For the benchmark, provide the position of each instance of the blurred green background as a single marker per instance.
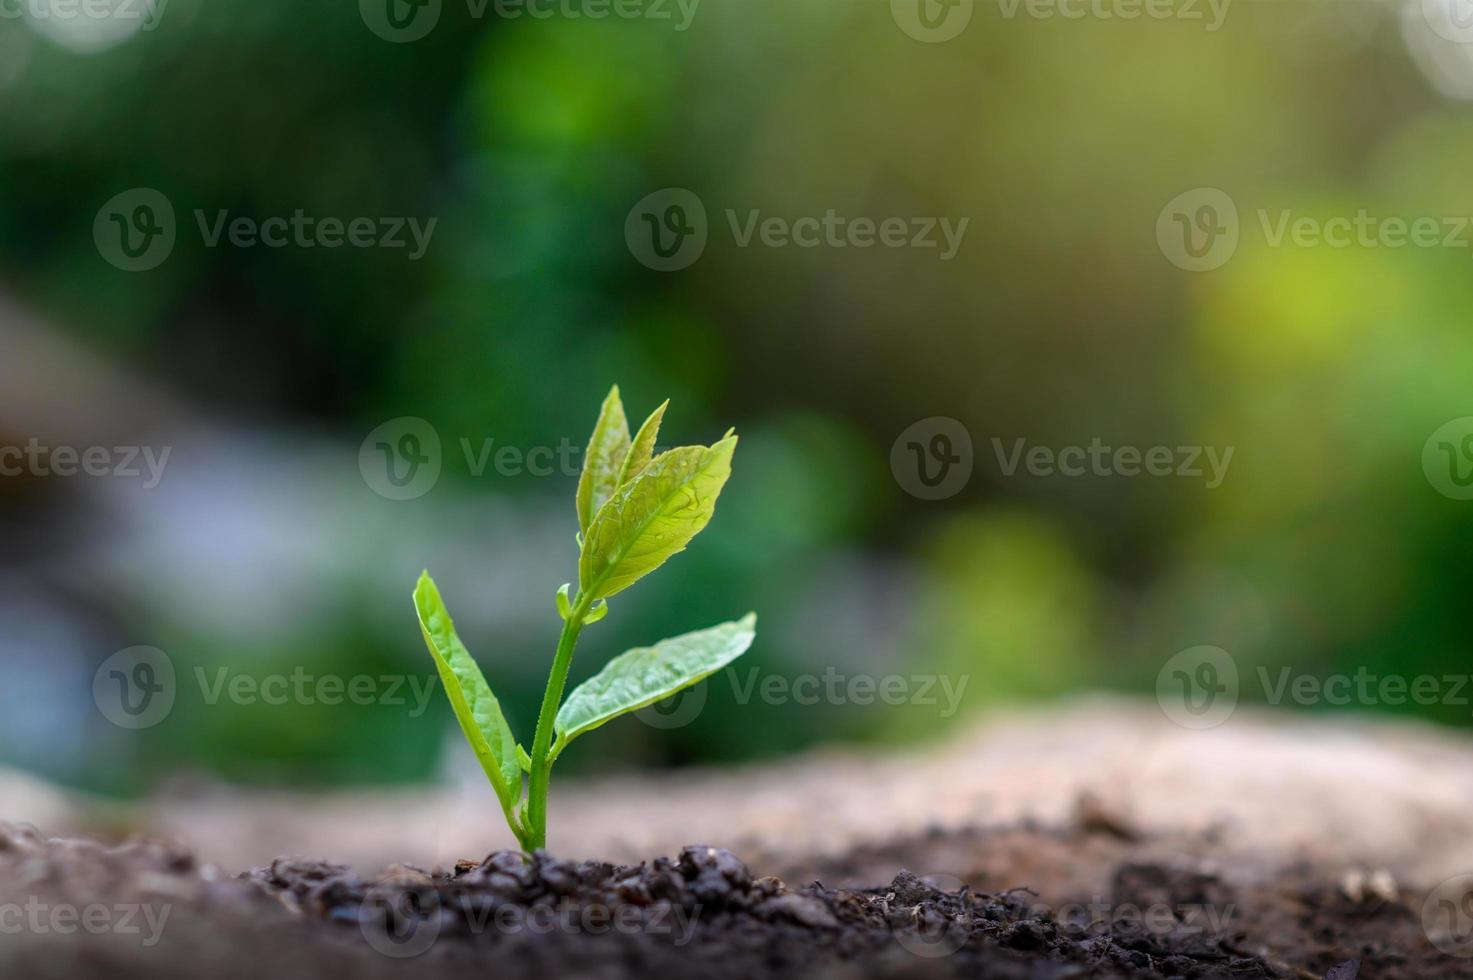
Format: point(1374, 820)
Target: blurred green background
point(1059, 321)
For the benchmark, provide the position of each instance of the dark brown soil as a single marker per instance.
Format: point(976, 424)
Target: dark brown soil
point(701, 914)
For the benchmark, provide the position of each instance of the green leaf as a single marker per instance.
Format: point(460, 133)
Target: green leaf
point(643, 449)
point(475, 706)
point(604, 459)
point(524, 760)
point(645, 675)
point(653, 517)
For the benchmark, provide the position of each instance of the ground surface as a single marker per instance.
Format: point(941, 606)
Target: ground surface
point(1092, 841)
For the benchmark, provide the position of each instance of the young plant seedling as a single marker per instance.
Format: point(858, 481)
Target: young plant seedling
point(635, 510)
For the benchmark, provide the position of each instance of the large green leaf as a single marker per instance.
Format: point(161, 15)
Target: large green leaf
point(653, 516)
point(604, 460)
point(645, 675)
point(475, 706)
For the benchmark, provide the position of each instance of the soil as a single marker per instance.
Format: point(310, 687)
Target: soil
point(1101, 902)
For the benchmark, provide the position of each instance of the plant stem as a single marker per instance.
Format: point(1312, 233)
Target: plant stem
point(536, 813)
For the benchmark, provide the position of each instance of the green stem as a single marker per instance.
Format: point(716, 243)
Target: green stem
point(536, 813)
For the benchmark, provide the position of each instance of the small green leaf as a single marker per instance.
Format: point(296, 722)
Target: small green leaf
point(599, 611)
point(643, 449)
point(653, 517)
point(564, 606)
point(523, 759)
point(645, 675)
point(607, 450)
point(475, 706)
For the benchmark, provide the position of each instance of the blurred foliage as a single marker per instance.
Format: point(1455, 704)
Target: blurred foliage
point(1059, 322)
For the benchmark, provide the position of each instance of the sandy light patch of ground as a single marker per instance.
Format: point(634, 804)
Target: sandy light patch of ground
point(1274, 789)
